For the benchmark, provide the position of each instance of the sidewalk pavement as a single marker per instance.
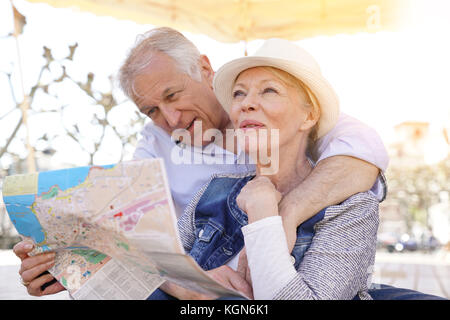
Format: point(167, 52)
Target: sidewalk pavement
point(427, 273)
point(423, 272)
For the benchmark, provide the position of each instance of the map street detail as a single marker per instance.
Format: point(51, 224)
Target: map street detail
point(113, 229)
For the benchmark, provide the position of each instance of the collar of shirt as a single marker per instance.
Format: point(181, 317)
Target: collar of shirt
point(215, 150)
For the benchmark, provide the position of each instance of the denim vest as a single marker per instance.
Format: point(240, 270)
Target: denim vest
point(218, 221)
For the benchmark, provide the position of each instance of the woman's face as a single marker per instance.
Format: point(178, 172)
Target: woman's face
point(261, 103)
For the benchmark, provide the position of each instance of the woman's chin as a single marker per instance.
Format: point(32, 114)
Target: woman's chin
point(250, 146)
point(256, 149)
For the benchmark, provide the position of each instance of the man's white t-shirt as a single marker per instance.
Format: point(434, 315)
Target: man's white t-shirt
point(188, 173)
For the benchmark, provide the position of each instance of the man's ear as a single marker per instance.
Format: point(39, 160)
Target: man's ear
point(206, 69)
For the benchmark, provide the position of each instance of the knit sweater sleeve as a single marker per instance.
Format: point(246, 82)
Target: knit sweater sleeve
point(339, 262)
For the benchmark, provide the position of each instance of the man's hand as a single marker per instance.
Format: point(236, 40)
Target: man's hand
point(32, 268)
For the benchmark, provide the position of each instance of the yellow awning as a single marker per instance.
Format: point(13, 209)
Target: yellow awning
point(235, 20)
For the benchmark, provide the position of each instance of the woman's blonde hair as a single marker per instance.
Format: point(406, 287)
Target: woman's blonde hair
point(310, 101)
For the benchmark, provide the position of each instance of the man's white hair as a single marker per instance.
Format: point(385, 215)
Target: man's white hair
point(165, 40)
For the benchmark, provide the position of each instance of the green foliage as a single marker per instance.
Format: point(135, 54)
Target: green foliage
point(416, 189)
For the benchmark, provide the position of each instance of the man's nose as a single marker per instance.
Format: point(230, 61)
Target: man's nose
point(172, 116)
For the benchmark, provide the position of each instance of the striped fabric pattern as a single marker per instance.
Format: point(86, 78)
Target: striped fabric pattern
point(340, 260)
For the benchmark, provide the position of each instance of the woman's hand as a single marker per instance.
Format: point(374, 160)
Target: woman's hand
point(259, 199)
point(242, 267)
point(182, 293)
point(290, 229)
point(232, 280)
point(32, 268)
point(223, 275)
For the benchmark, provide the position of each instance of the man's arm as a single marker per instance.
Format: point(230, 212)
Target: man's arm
point(333, 180)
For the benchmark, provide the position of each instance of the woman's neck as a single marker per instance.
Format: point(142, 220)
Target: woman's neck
point(293, 167)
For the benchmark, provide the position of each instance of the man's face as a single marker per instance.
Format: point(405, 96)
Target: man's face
point(173, 100)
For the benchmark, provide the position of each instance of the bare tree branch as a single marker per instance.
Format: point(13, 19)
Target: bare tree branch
point(105, 99)
point(11, 137)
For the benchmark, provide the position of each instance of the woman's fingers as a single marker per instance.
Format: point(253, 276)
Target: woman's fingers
point(248, 278)
point(240, 284)
point(231, 279)
point(243, 263)
point(182, 293)
point(243, 268)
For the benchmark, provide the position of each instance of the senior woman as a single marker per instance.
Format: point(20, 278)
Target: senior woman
point(280, 91)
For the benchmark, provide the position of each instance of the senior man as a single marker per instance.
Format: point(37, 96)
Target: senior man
point(171, 82)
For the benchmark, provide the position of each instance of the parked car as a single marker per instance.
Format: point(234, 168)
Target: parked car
point(431, 244)
point(393, 242)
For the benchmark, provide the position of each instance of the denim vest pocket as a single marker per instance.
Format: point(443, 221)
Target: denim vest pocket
point(301, 246)
point(206, 232)
point(203, 245)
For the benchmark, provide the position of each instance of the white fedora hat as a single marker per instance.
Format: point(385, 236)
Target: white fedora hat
point(284, 55)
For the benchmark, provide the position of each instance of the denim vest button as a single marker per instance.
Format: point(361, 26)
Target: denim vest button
point(227, 252)
point(200, 233)
point(293, 259)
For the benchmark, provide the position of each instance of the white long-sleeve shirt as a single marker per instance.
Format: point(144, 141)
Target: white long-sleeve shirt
point(270, 263)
